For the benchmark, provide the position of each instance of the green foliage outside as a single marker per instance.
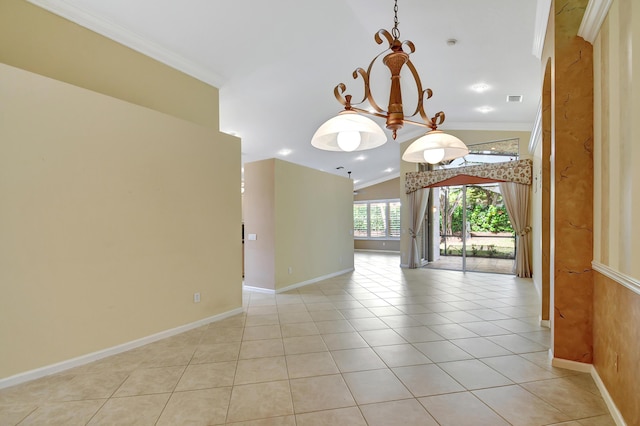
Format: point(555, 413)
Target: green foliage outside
point(486, 211)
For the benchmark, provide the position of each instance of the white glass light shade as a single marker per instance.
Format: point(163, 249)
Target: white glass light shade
point(326, 137)
point(428, 148)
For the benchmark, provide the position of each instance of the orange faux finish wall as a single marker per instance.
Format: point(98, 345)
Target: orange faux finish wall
point(616, 333)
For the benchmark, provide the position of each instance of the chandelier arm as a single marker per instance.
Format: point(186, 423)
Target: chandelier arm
point(405, 121)
point(386, 35)
point(367, 112)
point(365, 79)
point(421, 97)
point(410, 46)
point(418, 123)
point(368, 95)
point(338, 91)
point(438, 119)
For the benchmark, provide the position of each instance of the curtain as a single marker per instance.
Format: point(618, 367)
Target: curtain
point(516, 200)
point(417, 207)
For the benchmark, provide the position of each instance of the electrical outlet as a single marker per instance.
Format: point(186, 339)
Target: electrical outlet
point(196, 297)
point(290, 270)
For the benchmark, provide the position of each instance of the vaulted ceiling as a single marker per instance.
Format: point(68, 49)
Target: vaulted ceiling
point(276, 63)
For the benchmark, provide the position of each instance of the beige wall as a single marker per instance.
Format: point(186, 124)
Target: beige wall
point(307, 224)
point(617, 201)
point(112, 216)
point(387, 190)
point(259, 218)
point(110, 204)
point(469, 137)
point(38, 41)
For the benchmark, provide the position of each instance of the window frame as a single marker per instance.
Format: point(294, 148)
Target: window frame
point(388, 220)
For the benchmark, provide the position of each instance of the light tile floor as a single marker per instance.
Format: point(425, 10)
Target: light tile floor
point(379, 346)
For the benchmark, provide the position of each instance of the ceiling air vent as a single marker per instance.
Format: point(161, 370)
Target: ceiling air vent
point(514, 98)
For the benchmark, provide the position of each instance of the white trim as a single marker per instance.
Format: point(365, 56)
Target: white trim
point(613, 409)
point(385, 178)
point(591, 369)
point(258, 289)
point(540, 31)
point(571, 365)
point(593, 18)
point(536, 132)
point(514, 127)
point(130, 39)
point(545, 323)
point(314, 280)
point(114, 350)
point(622, 279)
point(294, 286)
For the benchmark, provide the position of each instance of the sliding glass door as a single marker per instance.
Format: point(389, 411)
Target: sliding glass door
point(475, 231)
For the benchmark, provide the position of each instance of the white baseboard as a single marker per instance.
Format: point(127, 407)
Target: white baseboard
point(545, 323)
point(314, 280)
point(296, 285)
point(258, 289)
point(571, 365)
point(613, 409)
point(589, 368)
point(94, 356)
point(378, 251)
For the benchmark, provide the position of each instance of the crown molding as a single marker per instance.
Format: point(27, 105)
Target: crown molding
point(536, 132)
point(129, 39)
point(385, 178)
point(593, 18)
point(512, 126)
point(540, 29)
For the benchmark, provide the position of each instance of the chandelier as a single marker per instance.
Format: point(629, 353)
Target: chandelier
point(351, 131)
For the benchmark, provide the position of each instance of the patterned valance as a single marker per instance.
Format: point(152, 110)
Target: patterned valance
point(512, 171)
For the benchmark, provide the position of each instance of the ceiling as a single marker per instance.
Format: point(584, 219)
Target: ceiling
point(276, 63)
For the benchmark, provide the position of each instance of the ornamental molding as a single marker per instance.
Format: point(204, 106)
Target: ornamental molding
point(129, 39)
point(593, 18)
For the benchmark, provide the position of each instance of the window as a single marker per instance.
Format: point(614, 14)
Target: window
point(376, 219)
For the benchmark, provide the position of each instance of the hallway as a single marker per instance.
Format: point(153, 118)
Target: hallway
point(379, 346)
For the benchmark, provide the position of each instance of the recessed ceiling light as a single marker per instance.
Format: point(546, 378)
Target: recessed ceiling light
point(485, 109)
point(480, 87)
point(361, 158)
point(284, 152)
point(388, 170)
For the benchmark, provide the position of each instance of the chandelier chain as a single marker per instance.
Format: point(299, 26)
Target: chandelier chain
point(395, 31)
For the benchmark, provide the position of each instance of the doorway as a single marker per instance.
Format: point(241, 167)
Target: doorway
point(475, 233)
